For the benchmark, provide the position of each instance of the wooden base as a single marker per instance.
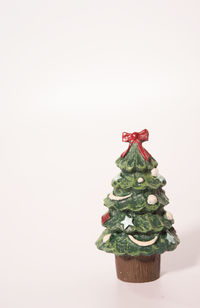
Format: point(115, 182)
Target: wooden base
point(138, 269)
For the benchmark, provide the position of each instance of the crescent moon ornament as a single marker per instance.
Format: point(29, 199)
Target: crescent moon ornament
point(118, 198)
point(106, 238)
point(141, 243)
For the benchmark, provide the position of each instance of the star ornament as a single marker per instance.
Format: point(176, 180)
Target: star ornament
point(170, 238)
point(127, 222)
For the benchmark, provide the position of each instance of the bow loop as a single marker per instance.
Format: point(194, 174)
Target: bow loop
point(143, 135)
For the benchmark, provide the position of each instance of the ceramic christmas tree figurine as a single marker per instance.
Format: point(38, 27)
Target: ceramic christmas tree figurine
point(138, 228)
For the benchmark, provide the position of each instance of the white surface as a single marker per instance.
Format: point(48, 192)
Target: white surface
point(74, 75)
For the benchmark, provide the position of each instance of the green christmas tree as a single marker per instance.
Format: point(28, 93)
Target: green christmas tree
point(136, 222)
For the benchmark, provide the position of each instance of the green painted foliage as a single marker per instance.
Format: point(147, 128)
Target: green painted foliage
point(135, 218)
point(126, 183)
point(145, 223)
point(137, 202)
point(120, 244)
point(133, 161)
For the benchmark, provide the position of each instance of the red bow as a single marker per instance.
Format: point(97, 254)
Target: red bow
point(137, 138)
point(105, 217)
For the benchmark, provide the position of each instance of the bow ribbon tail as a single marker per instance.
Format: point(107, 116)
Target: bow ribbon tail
point(125, 152)
point(143, 151)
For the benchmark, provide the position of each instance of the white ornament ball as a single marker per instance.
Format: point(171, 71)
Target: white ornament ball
point(106, 238)
point(140, 180)
point(152, 199)
point(154, 172)
point(169, 215)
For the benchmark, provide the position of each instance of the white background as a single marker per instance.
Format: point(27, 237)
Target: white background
point(73, 76)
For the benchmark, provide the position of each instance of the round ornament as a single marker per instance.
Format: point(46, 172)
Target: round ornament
point(152, 199)
point(169, 215)
point(154, 172)
point(140, 180)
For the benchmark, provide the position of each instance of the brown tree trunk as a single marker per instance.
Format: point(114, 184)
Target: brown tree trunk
point(138, 269)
